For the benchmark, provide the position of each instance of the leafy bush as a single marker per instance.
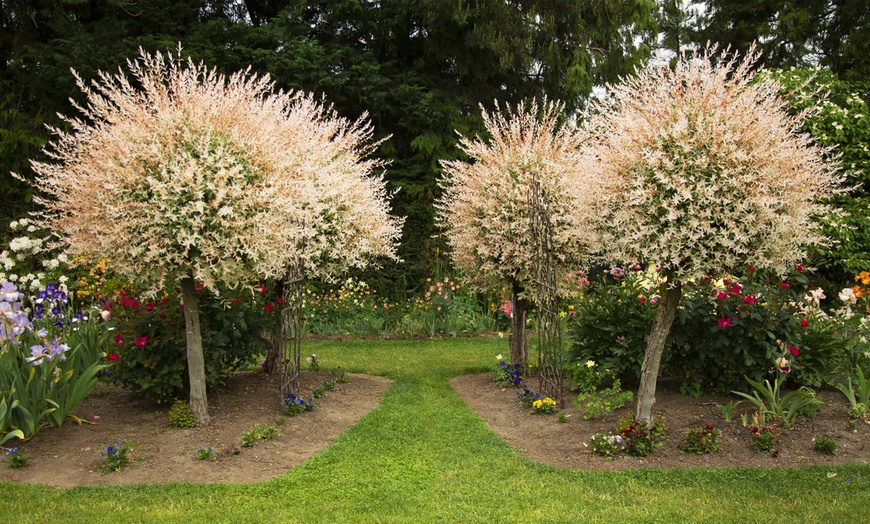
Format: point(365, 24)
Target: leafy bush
point(704, 439)
point(151, 344)
point(597, 403)
point(257, 433)
point(606, 445)
point(641, 438)
point(725, 329)
point(825, 445)
point(613, 315)
point(181, 416)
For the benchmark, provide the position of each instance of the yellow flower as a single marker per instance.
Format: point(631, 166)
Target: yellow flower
point(863, 277)
point(537, 404)
point(550, 402)
point(590, 363)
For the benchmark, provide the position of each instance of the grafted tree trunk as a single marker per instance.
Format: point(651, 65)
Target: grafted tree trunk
point(195, 359)
point(519, 340)
point(671, 292)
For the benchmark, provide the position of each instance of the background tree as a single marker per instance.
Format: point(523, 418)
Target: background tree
point(707, 173)
point(790, 33)
point(485, 208)
point(420, 68)
point(841, 121)
point(183, 175)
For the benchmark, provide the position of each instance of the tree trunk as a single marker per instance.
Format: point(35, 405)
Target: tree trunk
point(519, 340)
point(655, 345)
point(195, 359)
point(270, 364)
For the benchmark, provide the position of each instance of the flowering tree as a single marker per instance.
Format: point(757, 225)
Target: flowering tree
point(485, 208)
point(183, 175)
point(706, 173)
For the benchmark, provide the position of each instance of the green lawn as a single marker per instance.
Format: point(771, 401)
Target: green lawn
point(422, 456)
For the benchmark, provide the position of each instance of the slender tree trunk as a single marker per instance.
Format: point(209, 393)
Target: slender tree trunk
point(270, 364)
point(655, 345)
point(519, 340)
point(195, 359)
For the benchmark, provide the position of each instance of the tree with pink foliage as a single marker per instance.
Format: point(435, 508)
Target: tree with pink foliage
point(182, 175)
point(485, 208)
point(706, 173)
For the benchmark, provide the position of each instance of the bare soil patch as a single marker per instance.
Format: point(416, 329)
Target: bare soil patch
point(542, 438)
point(69, 456)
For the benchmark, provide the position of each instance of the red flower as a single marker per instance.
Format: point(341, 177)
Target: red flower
point(150, 306)
point(236, 300)
point(736, 289)
point(199, 287)
point(804, 323)
point(783, 285)
point(724, 322)
point(119, 339)
point(793, 350)
point(749, 300)
point(261, 288)
point(141, 341)
point(280, 301)
point(721, 295)
point(801, 267)
point(641, 299)
point(268, 308)
point(112, 356)
point(726, 282)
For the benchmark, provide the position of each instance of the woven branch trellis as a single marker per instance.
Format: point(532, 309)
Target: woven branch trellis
point(290, 337)
point(550, 357)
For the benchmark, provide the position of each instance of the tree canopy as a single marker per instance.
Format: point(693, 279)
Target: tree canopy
point(420, 68)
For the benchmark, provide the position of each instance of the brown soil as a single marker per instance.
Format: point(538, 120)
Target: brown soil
point(69, 456)
point(542, 438)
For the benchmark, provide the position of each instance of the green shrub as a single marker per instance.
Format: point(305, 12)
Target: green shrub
point(825, 445)
point(151, 344)
point(598, 403)
point(257, 433)
point(181, 416)
point(704, 439)
point(639, 437)
point(724, 330)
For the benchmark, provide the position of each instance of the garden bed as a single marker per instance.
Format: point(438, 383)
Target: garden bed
point(542, 438)
point(69, 456)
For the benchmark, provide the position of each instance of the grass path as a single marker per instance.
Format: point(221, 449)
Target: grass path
point(423, 456)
